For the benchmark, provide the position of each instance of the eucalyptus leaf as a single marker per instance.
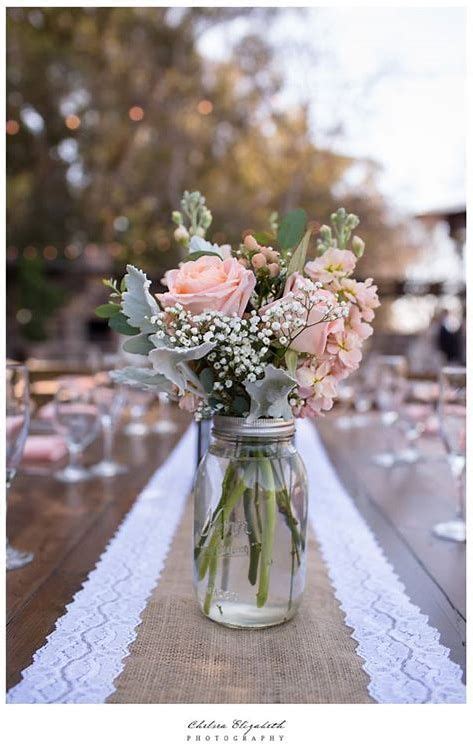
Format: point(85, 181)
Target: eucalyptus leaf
point(119, 323)
point(139, 344)
point(107, 310)
point(207, 379)
point(297, 261)
point(138, 305)
point(292, 229)
point(240, 406)
point(269, 396)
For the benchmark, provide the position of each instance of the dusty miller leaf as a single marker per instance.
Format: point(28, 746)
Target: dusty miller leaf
point(138, 305)
point(269, 396)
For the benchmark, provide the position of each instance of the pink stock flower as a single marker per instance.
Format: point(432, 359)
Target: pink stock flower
point(332, 264)
point(357, 325)
point(318, 387)
point(209, 284)
point(346, 346)
point(367, 298)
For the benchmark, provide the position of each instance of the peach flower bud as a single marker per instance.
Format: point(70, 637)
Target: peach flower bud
point(258, 261)
point(273, 269)
point(251, 243)
point(243, 262)
point(271, 255)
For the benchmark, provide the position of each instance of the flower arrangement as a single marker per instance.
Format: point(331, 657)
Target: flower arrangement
point(252, 332)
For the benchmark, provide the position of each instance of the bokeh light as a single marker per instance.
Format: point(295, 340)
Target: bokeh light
point(205, 107)
point(12, 127)
point(72, 122)
point(136, 113)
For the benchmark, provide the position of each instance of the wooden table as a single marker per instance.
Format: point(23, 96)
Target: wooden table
point(69, 526)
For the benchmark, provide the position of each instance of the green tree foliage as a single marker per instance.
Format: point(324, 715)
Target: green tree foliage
point(118, 113)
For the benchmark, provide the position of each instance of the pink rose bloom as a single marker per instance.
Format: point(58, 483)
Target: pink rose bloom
point(334, 263)
point(346, 346)
point(313, 338)
point(209, 283)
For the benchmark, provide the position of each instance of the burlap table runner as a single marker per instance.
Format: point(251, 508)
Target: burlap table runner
point(179, 656)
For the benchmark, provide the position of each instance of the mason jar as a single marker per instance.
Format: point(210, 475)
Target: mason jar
point(250, 504)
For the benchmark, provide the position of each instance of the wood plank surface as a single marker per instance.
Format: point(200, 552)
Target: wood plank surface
point(68, 527)
point(401, 505)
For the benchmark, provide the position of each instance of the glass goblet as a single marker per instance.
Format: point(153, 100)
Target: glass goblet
point(76, 418)
point(110, 400)
point(17, 426)
point(452, 423)
point(391, 389)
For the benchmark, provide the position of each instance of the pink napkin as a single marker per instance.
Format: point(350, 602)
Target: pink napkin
point(44, 448)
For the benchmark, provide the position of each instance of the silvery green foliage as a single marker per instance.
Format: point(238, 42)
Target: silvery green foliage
point(139, 344)
point(171, 361)
point(138, 305)
point(141, 377)
point(269, 396)
point(199, 245)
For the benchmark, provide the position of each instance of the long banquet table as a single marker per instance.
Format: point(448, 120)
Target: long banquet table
point(68, 528)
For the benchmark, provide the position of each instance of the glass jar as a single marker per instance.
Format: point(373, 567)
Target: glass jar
point(250, 523)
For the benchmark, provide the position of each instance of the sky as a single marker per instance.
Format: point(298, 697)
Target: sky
point(392, 78)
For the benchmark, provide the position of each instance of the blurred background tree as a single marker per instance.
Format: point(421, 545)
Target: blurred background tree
point(113, 112)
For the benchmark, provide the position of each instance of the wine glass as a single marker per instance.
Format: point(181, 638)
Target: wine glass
point(110, 401)
point(390, 392)
point(76, 417)
point(164, 424)
point(452, 421)
point(138, 401)
point(17, 426)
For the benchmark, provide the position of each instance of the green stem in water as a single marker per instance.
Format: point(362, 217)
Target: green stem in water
point(269, 527)
point(255, 546)
point(212, 546)
point(205, 532)
point(211, 583)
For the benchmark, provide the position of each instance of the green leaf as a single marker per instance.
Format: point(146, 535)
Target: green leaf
point(120, 324)
point(240, 405)
point(107, 310)
point(291, 361)
point(297, 261)
point(292, 228)
point(206, 378)
point(196, 255)
point(138, 345)
point(264, 238)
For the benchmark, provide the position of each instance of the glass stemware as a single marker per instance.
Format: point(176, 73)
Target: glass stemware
point(164, 425)
point(17, 426)
point(110, 400)
point(452, 421)
point(138, 401)
point(390, 392)
point(76, 418)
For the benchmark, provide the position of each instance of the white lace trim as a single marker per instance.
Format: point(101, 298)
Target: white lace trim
point(402, 653)
point(87, 649)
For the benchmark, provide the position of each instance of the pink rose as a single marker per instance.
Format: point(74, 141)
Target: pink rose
point(207, 284)
point(312, 338)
